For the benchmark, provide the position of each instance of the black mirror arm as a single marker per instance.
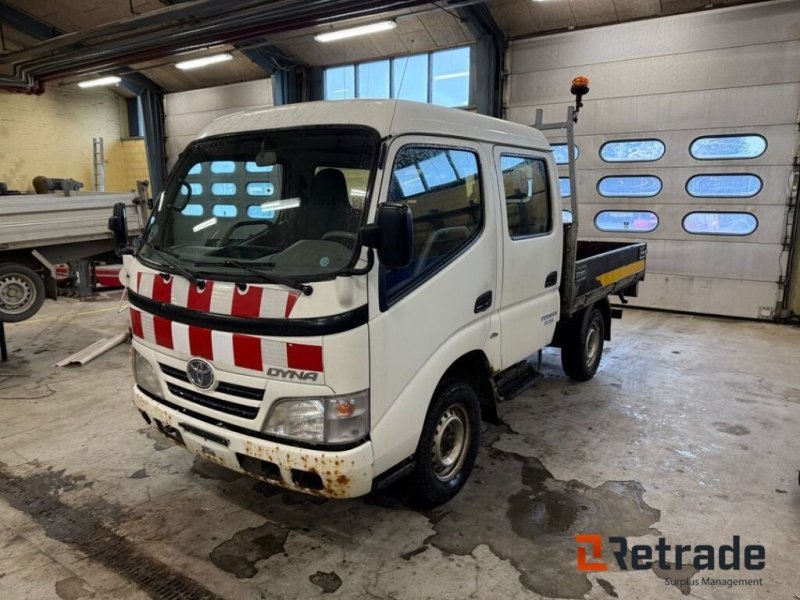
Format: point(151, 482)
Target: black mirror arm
point(364, 270)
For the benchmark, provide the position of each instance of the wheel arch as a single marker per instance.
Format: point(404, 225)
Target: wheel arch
point(474, 369)
point(605, 308)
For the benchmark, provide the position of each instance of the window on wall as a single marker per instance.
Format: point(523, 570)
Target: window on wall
point(642, 221)
point(373, 79)
point(629, 186)
point(410, 78)
point(527, 195)
point(728, 147)
point(441, 77)
point(632, 151)
point(442, 188)
point(742, 185)
point(340, 82)
point(450, 77)
point(561, 154)
point(720, 223)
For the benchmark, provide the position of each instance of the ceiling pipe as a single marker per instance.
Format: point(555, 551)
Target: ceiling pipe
point(178, 29)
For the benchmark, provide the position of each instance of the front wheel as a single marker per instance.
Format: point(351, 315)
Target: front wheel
point(21, 293)
point(582, 346)
point(448, 445)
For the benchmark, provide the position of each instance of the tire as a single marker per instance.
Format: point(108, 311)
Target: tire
point(453, 425)
point(582, 347)
point(21, 293)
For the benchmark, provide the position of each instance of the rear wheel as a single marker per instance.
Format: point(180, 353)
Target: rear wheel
point(21, 293)
point(582, 346)
point(448, 445)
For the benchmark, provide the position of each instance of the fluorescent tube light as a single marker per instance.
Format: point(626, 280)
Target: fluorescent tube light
point(281, 204)
point(203, 62)
point(110, 80)
point(343, 34)
point(205, 224)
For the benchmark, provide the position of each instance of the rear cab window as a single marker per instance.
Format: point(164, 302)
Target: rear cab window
point(526, 191)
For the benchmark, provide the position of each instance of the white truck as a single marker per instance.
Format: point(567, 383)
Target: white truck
point(331, 296)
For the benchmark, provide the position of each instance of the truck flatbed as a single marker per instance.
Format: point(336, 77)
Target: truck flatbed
point(605, 268)
point(33, 221)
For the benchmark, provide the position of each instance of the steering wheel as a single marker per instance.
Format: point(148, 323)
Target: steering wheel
point(229, 233)
point(345, 238)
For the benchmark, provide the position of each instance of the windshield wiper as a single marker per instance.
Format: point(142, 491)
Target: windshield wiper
point(267, 277)
point(171, 259)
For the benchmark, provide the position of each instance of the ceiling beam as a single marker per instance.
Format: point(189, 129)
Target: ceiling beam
point(27, 24)
point(37, 29)
point(165, 32)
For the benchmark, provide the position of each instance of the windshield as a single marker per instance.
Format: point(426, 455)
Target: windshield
point(288, 203)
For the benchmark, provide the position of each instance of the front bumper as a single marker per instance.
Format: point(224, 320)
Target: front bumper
point(335, 474)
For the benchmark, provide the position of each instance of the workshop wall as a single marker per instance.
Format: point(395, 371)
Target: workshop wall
point(731, 72)
point(51, 135)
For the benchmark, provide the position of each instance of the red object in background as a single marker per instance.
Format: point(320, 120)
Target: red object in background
point(107, 275)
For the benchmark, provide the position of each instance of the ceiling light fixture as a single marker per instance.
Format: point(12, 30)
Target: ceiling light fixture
point(196, 63)
point(110, 80)
point(343, 34)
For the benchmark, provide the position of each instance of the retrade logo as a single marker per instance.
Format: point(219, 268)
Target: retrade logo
point(595, 543)
point(668, 557)
point(200, 373)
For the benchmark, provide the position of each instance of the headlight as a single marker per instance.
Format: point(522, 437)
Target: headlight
point(327, 420)
point(145, 375)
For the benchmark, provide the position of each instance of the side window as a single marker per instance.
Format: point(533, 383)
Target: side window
point(527, 193)
point(443, 189)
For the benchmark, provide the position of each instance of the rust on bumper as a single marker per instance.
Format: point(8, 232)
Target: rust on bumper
point(343, 474)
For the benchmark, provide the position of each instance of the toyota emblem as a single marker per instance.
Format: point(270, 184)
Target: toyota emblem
point(200, 373)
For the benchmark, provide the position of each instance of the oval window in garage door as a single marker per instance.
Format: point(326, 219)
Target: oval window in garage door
point(728, 147)
point(632, 150)
point(629, 186)
point(724, 185)
point(642, 221)
point(560, 154)
point(720, 223)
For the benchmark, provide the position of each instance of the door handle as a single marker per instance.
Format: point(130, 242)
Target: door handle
point(551, 279)
point(483, 302)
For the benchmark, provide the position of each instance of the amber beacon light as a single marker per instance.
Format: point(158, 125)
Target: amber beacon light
point(580, 87)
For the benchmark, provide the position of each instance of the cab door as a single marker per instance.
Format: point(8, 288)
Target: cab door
point(532, 251)
point(425, 316)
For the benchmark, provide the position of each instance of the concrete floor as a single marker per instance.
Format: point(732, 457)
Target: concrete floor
point(689, 430)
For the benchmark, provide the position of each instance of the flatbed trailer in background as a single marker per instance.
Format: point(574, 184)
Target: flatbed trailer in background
point(40, 231)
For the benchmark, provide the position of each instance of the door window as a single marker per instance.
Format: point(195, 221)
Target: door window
point(443, 189)
point(527, 193)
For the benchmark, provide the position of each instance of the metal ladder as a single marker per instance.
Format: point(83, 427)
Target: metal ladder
point(98, 159)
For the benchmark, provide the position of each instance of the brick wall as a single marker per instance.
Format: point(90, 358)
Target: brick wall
point(135, 158)
point(51, 135)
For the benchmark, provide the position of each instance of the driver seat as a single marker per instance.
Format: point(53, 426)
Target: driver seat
point(327, 208)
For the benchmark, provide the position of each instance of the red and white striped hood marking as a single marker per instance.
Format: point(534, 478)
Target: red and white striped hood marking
point(219, 297)
point(223, 348)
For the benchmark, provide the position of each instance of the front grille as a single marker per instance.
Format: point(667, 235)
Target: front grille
point(231, 408)
point(232, 389)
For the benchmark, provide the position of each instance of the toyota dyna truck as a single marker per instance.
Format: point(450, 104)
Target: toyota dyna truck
point(330, 296)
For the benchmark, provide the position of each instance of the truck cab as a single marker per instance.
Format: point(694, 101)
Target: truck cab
point(330, 296)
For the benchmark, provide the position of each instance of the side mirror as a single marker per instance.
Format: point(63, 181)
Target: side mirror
point(392, 235)
point(118, 224)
